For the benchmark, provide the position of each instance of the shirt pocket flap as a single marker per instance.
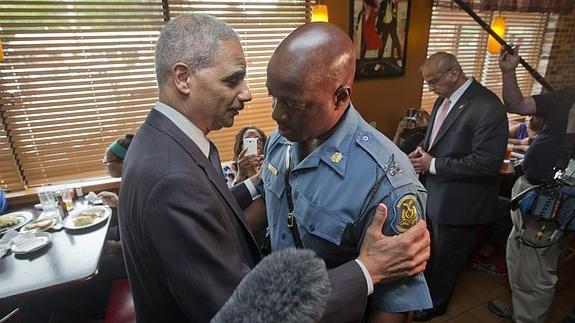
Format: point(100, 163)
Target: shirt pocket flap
point(275, 184)
point(319, 222)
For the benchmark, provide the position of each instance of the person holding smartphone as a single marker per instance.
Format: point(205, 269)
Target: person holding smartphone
point(248, 153)
point(411, 130)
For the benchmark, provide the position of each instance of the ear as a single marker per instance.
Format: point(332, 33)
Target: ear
point(342, 96)
point(182, 77)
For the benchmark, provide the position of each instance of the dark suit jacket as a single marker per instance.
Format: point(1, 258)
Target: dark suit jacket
point(185, 241)
point(469, 150)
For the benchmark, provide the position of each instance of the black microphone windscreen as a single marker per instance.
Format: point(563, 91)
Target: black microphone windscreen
point(290, 285)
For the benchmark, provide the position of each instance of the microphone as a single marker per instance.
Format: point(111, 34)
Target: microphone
point(288, 286)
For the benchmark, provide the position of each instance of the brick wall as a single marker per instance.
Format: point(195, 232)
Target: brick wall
point(561, 65)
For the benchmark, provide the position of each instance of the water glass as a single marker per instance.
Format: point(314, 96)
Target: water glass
point(47, 199)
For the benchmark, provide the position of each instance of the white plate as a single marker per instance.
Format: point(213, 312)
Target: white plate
point(23, 218)
point(25, 229)
point(69, 220)
point(42, 240)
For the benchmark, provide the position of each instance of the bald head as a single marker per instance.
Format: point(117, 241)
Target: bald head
point(316, 52)
point(443, 74)
point(309, 77)
point(441, 62)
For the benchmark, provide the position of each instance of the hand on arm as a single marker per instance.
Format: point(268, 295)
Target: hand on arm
point(391, 258)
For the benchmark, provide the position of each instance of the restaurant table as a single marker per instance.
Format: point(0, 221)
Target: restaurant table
point(71, 257)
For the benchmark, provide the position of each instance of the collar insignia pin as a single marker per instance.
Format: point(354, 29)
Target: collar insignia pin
point(392, 167)
point(336, 157)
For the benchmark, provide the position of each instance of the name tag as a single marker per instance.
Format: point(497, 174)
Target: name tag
point(272, 169)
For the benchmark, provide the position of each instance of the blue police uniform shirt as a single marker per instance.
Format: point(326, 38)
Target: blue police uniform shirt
point(335, 191)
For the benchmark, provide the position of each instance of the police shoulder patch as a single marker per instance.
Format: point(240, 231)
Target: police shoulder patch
point(406, 210)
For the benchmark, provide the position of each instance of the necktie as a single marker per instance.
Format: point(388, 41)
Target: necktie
point(215, 159)
point(441, 114)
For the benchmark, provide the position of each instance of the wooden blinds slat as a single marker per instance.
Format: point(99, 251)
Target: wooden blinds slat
point(76, 75)
point(455, 32)
point(9, 174)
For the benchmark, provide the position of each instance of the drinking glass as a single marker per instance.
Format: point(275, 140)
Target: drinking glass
point(46, 197)
point(49, 204)
point(67, 198)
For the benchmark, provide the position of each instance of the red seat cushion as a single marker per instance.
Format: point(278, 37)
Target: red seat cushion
point(120, 304)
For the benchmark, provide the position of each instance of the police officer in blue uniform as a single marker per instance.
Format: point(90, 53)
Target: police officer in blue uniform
point(327, 169)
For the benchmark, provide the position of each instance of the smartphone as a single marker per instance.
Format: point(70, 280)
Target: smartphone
point(251, 144)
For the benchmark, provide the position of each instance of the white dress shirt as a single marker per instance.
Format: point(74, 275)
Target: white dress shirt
point(187, 127)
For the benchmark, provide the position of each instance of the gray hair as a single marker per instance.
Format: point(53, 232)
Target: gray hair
point(191, 39)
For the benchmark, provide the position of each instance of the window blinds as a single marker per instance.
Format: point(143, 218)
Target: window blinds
point(79, 74)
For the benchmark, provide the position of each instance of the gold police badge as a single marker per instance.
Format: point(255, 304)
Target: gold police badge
point(407, 213)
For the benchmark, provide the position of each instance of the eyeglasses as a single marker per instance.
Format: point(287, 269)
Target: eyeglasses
point(437, 79)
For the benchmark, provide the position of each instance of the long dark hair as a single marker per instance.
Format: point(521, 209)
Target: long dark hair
point(239, 144)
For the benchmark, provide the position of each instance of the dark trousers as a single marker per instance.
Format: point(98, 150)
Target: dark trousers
point(451, 248)
point(389, 30)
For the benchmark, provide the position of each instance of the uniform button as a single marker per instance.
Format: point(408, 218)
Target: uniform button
point(312, 227)
point(283, 236)
point(365, 138)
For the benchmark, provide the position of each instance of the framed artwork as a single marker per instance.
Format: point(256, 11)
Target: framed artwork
point(378, 29)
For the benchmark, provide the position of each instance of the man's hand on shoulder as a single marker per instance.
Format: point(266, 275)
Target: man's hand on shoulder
point(392, 258)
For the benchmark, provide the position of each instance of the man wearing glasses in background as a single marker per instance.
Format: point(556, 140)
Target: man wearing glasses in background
point(460, 158)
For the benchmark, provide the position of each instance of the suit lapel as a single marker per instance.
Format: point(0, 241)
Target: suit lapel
point(454, 113)
point(162, 123)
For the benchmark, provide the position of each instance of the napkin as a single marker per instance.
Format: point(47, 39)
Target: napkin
point(91, 197)
point(6, 241)
point(27, 241)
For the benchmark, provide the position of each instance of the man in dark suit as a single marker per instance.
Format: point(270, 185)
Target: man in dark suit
point(187, 244)
point(461, 155)
point(386, 25)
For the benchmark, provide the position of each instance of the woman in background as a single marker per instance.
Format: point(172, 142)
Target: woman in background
point(521, 135)
point(244, 167)
point(113, 161)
